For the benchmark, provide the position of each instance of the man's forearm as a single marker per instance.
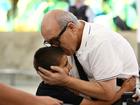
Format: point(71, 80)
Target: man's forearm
point(99, 90)
point(128, 85)
point(116, 97)
point(100, 102)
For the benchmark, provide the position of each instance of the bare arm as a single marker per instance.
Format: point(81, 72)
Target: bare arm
point(128, 85)
point(92, 89)
point(100, 102)
point(11, 96)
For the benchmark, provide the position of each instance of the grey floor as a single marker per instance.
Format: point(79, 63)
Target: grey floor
point(22, 82)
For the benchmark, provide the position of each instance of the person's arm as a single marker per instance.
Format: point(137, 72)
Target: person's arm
point(127, 86)
point(136, 96)
point(11, 96)
point(104, 90)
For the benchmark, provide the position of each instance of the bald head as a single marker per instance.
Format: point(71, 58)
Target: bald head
point(56, 19)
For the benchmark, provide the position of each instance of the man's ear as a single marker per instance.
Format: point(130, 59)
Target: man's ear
point(72, 26)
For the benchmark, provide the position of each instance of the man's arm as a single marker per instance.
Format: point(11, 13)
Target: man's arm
point(104, 90)
point(11, 96)
point(127, 86)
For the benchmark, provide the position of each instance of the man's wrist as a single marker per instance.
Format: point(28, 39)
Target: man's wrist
point(67, 82)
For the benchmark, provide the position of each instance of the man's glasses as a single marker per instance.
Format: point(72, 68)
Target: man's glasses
point(55, 41)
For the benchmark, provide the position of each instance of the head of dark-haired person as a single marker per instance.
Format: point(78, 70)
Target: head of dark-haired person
point(50, 56)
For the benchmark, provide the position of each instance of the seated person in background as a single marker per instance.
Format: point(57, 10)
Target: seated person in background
point(82, 11)
point(46, 57)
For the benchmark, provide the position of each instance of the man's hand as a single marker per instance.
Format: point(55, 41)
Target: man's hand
point(46, 100)
point(56, 76)
point(129, 84)
point(97, 89)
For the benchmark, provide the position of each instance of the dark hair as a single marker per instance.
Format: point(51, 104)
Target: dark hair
point(47, 56)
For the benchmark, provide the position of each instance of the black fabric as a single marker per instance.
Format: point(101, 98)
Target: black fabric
point(118, 102)
point(120, 23)
point(120, 81)
point(82, 74)
point(59, 92)
point(80, 13)
point(129, 102)
point(127, 97)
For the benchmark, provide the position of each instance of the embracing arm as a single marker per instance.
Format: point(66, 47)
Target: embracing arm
point(127, 86)
point(101, 102)
point(103, 90)
point(11, 96)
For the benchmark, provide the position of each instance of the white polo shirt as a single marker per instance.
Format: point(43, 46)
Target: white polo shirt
point(105, 54)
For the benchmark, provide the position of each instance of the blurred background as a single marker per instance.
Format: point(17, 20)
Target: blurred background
point(26, 15)
point(20, 32)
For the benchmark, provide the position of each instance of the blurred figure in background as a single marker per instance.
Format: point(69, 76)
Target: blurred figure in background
point(13, 11)
point(5, 5)
point(12, 14)
point(82, 11)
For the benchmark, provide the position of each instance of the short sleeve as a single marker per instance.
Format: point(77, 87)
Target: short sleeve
point(105, 62)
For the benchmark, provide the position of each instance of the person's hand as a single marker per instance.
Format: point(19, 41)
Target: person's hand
point(46, 100)
point(136, 96)
point(56, 76)
point(129, 84)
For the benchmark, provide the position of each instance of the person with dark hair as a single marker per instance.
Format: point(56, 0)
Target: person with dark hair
point(46, 57)
point(104, 55)
point(82, 11)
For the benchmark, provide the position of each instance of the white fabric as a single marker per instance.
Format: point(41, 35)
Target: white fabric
point(105, 54)
point(90, 14)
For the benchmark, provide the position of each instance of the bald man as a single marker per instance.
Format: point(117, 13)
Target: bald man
point(105, 55)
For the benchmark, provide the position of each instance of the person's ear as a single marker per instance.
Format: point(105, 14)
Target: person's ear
point(72, 26)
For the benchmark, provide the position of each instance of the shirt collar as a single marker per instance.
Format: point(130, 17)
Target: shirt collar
point(85, 34)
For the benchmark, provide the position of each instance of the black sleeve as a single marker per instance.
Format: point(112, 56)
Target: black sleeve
point(58, 92)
